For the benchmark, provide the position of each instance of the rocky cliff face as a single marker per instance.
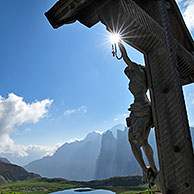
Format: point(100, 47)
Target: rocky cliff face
point(106, 160)
point(125, 161)
point(116, 158)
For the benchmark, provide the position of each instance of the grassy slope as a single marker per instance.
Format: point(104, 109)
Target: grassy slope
point(33, 187)
point(44, 186)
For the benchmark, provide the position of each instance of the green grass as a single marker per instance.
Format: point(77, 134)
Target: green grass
point(33, 187)
point(139, 190)
point(36, 186)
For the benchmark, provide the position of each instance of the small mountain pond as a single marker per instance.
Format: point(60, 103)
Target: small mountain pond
point(83, 191)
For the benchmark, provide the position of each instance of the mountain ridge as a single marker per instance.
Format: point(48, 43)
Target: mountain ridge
point(79, 156)
point(97, 156)
point(12, 173)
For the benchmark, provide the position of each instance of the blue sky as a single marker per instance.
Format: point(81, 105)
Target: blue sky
point(66, 77)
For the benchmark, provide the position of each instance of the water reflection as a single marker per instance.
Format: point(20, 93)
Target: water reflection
point(84, 191)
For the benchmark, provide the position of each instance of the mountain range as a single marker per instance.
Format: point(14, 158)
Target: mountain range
point(98, 156)
point(74, 160)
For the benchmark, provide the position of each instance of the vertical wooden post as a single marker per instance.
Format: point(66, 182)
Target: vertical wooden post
point(172, 129)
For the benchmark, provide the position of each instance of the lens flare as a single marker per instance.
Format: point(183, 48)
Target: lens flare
point(115, 38)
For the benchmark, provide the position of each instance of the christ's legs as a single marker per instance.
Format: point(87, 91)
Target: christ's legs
point(149, 155)
point(138, 155)
point(138, 134)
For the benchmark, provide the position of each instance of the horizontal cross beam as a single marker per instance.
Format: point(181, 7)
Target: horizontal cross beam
point(90, 12)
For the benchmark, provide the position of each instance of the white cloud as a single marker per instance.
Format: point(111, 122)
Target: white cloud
point(73, 140)
point(121, 117)
point(26, 154)
point(99, 132)
point(188, 14)
point(16, 150)
point(187, 8)
point(32, 151)
point(79, 109)
point(43, 150)
point(83, 109)
point(69, 112)
point(14, 111)
point(7, 145)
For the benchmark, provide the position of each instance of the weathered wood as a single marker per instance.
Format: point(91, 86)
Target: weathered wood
point(185, 64)
point(65, 12)
point(172, 129)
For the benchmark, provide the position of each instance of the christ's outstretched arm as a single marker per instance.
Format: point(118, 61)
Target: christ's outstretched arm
point(126, 58)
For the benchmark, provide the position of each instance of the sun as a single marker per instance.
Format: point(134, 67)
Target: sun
point(115, 38)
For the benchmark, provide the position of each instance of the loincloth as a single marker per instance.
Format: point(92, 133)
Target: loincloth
point(140, 109)
point(139, 121)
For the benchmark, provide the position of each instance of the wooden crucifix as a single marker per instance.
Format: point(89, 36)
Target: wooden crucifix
point(157, 29)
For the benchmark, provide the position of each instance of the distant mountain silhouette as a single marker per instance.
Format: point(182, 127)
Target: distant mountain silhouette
point(97, 156)
point(74, 160)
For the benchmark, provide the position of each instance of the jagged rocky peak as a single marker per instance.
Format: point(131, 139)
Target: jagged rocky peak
point(115, 158)
point(122, 133)
point(93, 135)
point(107, 139)
point(114, 129)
